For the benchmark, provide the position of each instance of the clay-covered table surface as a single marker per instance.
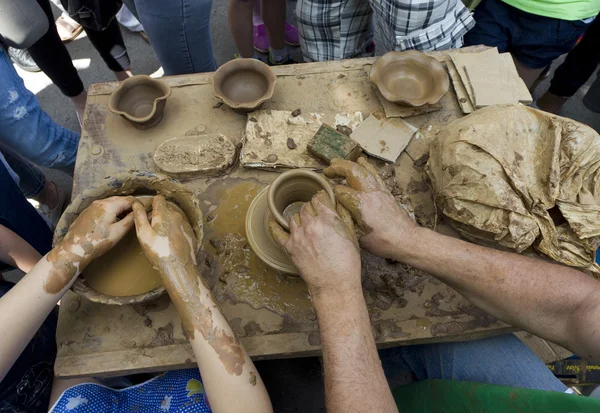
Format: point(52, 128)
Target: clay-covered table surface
point(270, 312)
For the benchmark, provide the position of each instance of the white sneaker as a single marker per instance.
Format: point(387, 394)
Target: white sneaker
point(52, 215)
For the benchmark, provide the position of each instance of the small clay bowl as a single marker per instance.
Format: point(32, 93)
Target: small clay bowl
point(410, 78)
point(291, 189)
point(141, 100)
point(131, 183)
point(244, 84)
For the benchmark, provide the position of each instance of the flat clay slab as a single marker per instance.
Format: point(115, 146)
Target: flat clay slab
point(496, 82)
point(200, 155)
point(462, 59)
point(383, 138)
point(277, 138)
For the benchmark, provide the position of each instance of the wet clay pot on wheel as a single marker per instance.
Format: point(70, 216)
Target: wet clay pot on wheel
point(411, 78)
point(141, 100)
point(244, 84)
point(137, 184)
point(281, 200)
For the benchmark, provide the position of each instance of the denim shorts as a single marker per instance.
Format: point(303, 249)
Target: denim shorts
point(535, 41)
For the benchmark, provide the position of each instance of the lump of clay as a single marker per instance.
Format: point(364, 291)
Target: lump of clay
point(195, 155)
point(515, 177)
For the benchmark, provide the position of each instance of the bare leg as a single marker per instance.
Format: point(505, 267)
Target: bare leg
point(79, 102)
point(124, 74)
point(273, 13)
point(240, 24)
point(528, 74)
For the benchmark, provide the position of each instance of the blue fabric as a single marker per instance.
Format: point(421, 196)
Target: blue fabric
point(179, 31)
point(534, 40)
point(503, 360)
point(26, 129)
point(18, 215)
point(31, 179)
point(175, 391)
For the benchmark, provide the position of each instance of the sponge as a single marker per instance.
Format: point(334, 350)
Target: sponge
point(328, 143)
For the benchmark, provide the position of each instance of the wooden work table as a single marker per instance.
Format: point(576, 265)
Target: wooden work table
point(270, 312)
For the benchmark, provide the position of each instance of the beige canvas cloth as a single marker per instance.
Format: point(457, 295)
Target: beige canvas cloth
point(502, 173)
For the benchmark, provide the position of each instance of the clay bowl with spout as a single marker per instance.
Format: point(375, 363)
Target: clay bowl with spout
point(244, 84)
point(142, 185)
point(141, 100)
point(284, 197)
point(410, 78)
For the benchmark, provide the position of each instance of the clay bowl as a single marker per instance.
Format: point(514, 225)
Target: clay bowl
point(134, 183)
point(280, 200)
point(244, 84)
point(141, 100)
point(410, 78)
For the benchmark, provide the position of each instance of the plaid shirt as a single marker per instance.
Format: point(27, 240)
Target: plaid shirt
point(342, 29)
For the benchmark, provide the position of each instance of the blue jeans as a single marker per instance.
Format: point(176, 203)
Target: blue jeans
point(179, 32)
point(503, 360)
point(30, 179)
point(25, 129)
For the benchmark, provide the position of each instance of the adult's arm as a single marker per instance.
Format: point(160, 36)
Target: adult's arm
point(17, 252)
point(552, 301)
point(231, 380)
point(323, 246)
point(24, 308)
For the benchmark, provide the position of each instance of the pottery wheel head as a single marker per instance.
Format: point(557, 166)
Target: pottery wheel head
point(259, 237)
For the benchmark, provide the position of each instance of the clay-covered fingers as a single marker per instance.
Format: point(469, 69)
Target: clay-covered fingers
point(159, 210)
point(356, 174)
point(280, 236)
point(346, 218)
point(120, 228)
point(142, 225)
point(116, 205)
point(350, 199)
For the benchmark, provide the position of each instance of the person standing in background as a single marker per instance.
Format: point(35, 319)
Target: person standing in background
point(535, 32)
point(344, 29)
point(179, 32)
point(579, 65)
point(241, 26)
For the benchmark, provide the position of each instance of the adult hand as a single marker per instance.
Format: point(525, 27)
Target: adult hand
point(169, 239)
point(322, 244)
point(384, 225)
point(96, 230)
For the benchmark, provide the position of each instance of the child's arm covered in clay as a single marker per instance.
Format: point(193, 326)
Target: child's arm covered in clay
point(25, 307)
point(231, 380)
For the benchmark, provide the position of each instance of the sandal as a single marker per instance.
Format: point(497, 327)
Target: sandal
point(68, 29)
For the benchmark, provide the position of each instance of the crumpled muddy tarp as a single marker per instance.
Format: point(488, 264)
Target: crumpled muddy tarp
point(516, 177)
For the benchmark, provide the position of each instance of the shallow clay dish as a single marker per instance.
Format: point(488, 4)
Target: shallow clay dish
point(410, 77)
point(259, 237)
point(244, 84)
point(141, 100)
point(134, 183)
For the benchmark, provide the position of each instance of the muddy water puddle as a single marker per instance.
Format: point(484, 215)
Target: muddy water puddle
point(237, 273)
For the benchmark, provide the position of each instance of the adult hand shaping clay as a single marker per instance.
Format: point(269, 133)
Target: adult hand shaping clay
point(372, 205)
point(92, 234)
point(322, 244)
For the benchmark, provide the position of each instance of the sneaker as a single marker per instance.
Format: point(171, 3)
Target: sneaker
point(23, 59)
point(261, 38)
point(291, 35)
point(286, 61)
point(54, 214)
